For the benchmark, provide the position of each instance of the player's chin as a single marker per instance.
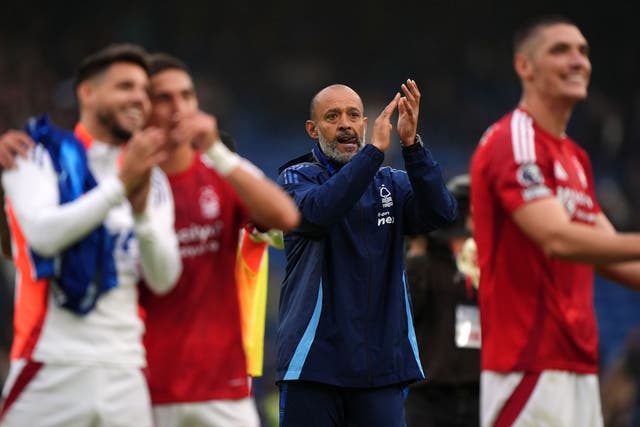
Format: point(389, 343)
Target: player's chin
point(348, 148)
point(572, 96)
point(577, 93)
point(132, 124)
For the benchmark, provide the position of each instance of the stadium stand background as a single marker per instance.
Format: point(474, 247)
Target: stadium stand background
point(256, 65)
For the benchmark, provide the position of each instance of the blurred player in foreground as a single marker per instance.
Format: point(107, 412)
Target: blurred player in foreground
point(90, 217)
point(197, 364)
point(540, 232)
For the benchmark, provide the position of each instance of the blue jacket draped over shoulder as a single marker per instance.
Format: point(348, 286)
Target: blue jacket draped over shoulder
point(85, 270)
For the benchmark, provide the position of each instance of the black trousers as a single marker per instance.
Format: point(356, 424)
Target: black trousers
point(310, 404)
point(440, 405)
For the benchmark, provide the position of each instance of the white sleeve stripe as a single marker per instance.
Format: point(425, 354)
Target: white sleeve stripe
point(515, 137)
point(522, 138)
point(531, 144)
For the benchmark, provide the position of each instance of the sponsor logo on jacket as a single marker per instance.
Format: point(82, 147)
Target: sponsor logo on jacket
point(385, 217)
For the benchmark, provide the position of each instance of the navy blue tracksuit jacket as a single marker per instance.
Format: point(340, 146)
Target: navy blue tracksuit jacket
point(345, 315)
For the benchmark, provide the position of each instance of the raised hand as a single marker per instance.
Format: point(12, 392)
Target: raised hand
point(198, 128)
point(145, 150)
point(382, 126)
point(408, 109)
point(13, 143)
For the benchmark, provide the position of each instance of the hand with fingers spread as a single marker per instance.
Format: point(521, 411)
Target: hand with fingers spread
point(13, 143)
point(145, 150)
point(408, 109)
point(382, 126)
point(198, 128)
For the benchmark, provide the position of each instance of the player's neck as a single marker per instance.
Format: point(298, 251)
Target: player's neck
point(179, 159)
point(549, 114)
point(97, 130)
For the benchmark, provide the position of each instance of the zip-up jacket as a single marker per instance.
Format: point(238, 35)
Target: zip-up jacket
point(345, 312)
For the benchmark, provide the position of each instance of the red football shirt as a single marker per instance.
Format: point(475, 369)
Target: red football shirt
point(536, 312)
point(193, 334)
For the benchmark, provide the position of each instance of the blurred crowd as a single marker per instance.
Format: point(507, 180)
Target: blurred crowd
point(256, 66)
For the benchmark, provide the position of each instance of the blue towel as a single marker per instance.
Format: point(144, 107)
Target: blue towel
point(86, 270)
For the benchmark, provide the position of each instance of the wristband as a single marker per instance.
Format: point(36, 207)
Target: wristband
point(223, 159)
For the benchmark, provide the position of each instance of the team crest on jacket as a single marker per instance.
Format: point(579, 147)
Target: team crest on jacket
point(385, 217)
point(385, 197)
point(209, 203)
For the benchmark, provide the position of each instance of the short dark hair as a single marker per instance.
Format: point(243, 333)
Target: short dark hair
point(99, 61)
point(162, 61)
point(532, 25)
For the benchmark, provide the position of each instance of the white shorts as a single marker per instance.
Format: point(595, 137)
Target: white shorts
point(75, 396)
point(551, 398)
point(212, 413)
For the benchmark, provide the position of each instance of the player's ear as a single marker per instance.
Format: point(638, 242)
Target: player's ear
point(312, 130)
point(522, 65)
point(84, 92)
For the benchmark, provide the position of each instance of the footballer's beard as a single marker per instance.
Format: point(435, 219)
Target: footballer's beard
point(330, 148)
point(108, 119)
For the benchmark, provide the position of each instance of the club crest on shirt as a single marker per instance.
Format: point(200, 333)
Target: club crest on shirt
point(209, 203)
point(581, 175)
point(529, 174)
point(559, 172)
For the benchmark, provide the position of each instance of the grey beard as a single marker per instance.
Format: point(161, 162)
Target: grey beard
point(330, 149)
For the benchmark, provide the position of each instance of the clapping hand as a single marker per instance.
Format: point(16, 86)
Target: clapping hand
point(145, 150)
point(382, 126)
point(408, 109)
point(198, 128)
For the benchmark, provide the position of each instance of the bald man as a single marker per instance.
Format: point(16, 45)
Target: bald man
point(346, 345)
